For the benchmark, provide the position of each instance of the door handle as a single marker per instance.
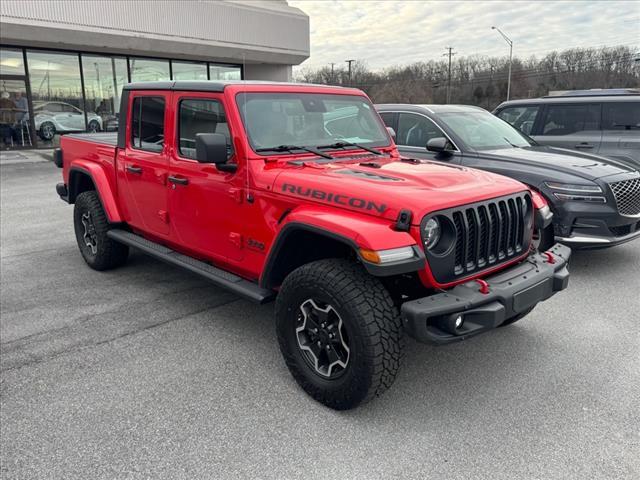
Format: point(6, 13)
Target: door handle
point(134, 169)
point(178, 180)
point(584, 145)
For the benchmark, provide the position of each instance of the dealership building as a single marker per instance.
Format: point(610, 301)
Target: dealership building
point(63, 62)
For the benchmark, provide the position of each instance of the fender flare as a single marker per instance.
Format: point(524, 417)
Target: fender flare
point(355, 231)
point(101, 184)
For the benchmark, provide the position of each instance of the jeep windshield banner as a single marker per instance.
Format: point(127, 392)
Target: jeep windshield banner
point(337, 198)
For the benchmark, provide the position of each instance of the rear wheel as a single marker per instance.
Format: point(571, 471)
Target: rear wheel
point(91, 227)
point(47, 131)
point(339, 332)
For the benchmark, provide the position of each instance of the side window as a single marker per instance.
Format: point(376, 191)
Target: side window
point(388, 119)
point(521, 118)
point(567, 119)
point(147, 123)
point(416, 130)
point(200, 116)
point(621, 116)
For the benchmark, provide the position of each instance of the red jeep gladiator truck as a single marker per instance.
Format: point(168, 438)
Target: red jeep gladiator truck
point(297, 193)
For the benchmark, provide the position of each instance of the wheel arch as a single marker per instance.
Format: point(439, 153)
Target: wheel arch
point(82, 179)
point(286, 255)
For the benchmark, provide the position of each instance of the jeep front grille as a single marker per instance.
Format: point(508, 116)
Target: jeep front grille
point(627, 195)
point(486, 234)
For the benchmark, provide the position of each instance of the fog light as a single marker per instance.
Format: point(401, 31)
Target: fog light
point(453, 324)
point(459, 321)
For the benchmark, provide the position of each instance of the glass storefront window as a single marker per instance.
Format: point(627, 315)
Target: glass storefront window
point(145, 70)
point(11, 62)
point(224, 72)
point(188, 70)
point(56, 93)
point(103, 81)
point(15, 128)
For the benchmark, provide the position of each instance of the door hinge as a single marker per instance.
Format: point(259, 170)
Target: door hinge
point(164, 215)
point(236, 239)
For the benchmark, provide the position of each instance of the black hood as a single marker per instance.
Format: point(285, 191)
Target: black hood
point(551, 159)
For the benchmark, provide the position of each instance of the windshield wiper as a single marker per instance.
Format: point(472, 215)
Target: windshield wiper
point(512, 144)
point(289, 148)
point(343, 144)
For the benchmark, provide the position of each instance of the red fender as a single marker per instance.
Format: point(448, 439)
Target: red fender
point(363, 231)
point(104, 187)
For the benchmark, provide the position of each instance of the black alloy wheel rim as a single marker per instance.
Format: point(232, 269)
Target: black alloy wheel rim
point(322, 339)
point(90, 236)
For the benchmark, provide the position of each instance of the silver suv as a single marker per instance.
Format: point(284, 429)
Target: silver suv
point(606, 122)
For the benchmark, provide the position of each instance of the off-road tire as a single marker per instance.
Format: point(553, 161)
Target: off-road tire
point(372, 321)
point(110, 254)
point(519, 316)
point(546, 238)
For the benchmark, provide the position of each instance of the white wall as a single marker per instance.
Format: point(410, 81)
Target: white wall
point(274, 73)
point(231, 31)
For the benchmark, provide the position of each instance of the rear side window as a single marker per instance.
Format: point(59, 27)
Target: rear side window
point(621, 116)
point(416, 130)
point(568, 119)
point(147, 123)
point(521, 118)
point(201, 116)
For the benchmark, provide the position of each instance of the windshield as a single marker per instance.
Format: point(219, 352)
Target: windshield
point(483, 131)
point(309, 119)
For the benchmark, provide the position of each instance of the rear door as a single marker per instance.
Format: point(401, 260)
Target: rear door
point(574, 125)
point(621, 131)
point(205, 204)
point(142, 167)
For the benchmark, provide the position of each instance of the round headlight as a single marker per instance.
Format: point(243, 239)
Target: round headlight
point(431, 233)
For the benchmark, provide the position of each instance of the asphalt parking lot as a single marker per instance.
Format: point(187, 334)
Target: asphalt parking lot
point(149, 372)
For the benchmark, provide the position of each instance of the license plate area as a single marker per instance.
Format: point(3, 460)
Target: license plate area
point(531, 295)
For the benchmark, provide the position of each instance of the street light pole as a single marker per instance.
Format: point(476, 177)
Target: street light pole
point(508, 40)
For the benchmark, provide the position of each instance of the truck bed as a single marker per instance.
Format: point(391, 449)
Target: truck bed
point(106, 138)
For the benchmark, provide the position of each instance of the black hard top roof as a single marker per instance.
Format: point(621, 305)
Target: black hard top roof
point(210, 85)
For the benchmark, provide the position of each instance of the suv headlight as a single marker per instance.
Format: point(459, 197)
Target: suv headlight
point(576, 192)
point(568, 187)
point(431, 233)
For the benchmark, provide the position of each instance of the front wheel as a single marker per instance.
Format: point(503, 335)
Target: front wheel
point(339, 332)
point(543, 239)
point(47, 131)
point(94, 126)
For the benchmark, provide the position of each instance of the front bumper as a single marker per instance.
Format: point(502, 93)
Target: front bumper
point(510, 292)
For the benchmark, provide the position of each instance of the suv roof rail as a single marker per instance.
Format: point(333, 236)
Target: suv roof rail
point(594, 92)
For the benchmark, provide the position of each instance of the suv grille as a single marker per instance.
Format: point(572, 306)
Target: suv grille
point(627, 195)
point(486, 234)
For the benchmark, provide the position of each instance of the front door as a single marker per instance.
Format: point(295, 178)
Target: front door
point(204, 203)
point(142, 167)
point(413, 132)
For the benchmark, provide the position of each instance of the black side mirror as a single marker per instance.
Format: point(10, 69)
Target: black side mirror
point(212, 148)
point(439, 145)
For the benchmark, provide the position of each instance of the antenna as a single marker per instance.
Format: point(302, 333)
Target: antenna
point(249, 197)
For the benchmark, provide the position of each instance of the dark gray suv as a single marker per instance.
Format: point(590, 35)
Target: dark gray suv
point(604, 122)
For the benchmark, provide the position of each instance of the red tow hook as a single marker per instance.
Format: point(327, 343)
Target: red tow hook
point(550, 258)
point(484, 286)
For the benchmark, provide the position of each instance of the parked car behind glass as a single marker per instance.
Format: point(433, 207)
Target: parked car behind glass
point(595, 201)
point(589, 121)
point(61, 117)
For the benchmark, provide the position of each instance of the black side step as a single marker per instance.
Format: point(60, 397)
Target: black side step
point(220, 277)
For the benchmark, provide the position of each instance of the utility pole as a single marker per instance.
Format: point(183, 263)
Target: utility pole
point(349, 62)
point(450, 54)
point(508, 40)
point(332, 74)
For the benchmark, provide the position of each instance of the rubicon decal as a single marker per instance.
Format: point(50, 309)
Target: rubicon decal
point(336, 198)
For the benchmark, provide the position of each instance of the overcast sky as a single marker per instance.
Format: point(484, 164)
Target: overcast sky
point(385, 33)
